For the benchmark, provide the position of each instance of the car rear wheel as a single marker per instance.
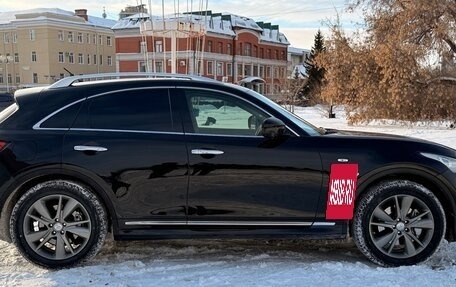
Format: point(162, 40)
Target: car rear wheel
point(58, 224)
point(398, 223)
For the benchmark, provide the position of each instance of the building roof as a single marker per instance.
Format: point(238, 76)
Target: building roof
point(219, 23)
point(42, 13)
point(297, 51)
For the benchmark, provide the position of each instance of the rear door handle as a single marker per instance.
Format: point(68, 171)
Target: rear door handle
point(207, 152)
point(89, 148)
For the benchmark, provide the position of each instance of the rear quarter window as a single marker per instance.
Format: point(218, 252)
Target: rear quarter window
point(63, 118)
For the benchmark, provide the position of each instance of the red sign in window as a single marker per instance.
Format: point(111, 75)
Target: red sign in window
point(341, 194)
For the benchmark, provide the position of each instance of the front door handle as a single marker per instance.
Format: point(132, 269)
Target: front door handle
point(89, 148)
point(207, 152)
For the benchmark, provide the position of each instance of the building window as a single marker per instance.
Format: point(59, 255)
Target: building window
point(255, 51)
point(159, 67)
point(158, 46)
point(80, 40)
point(229, 69)
point(262, 53)
point(255, 71)
point(32, 35)
point(261, 75)
point(248, 49)
point(1, 79)
point(109, 41)
point(142, 66)
point(14, 37)
point(109, 60)
point(33, 56)
point(18, 78)
point(71, 58)
point(35, 78)
point(80, 58)
point(268, 72)
point(220, 48)
point(10, 79)
point(101, 60)
point(276, 72)
point(6, 37)
point(88, 38)
point(88, 59)
point(209, 46)
point(70, 37)
point(276, 54)
point(16, 57)
point(61, 57)
point(268, 54)
point(100, 40)
point(247, 70)
point(210, 67)
point(61, 36)
point(94, 59)
point(94, 38)
point(240, 71)
point(219, 69)
point(200, 67)
point(229, 49)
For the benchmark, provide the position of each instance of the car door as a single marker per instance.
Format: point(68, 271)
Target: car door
point(239, 177)
point(133, 141)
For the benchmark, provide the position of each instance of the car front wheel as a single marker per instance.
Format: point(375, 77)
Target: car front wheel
point(58, 224)
point(398, 222)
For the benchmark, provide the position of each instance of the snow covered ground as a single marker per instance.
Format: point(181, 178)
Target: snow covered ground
point(245, 262)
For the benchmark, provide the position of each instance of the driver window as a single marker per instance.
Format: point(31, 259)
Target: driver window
point(214, 113)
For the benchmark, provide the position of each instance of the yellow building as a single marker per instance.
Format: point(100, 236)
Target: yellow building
point(40, 46)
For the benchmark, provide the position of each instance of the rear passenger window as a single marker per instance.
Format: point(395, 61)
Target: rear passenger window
point(139, 110)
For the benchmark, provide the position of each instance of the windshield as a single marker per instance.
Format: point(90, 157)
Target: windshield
point(306, 126)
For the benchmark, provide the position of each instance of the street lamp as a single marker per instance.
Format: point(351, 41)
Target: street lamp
point(7, 59)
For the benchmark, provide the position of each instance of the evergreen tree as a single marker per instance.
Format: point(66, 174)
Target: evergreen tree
point(315, 73)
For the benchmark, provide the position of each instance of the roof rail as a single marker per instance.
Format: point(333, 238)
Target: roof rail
point(68, 81)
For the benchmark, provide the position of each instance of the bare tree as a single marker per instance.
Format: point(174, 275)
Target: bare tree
point(403, 65)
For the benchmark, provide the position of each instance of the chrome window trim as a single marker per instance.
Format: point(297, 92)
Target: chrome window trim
point(222, 135)
point(125, 131)
point(37, 126)
point(236, 96)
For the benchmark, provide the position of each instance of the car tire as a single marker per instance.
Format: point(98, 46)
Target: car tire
point(398, 222)
point(58, 224)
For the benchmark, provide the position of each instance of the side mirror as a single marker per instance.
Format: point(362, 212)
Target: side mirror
point(272, 128)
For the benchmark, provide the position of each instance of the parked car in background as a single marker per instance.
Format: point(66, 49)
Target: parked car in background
point(150, 156)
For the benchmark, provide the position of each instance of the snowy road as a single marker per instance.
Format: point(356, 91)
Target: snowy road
point(242, 262)
point(230, 263)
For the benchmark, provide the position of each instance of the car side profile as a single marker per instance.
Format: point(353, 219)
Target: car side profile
point(151, 156)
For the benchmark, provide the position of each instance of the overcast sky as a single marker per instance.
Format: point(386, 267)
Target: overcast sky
point(298, 19)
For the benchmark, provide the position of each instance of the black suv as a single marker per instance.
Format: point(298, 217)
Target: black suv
point(174, 156)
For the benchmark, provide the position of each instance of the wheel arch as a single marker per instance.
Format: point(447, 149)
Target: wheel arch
point(421, 175)
point(28, 179)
